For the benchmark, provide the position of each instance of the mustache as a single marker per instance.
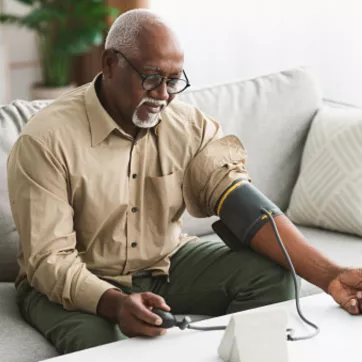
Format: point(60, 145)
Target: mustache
point(156, 102)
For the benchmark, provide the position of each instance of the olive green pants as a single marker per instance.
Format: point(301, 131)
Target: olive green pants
point(205, 278)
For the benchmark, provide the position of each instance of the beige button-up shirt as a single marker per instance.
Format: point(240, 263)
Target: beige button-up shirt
point(92, 204)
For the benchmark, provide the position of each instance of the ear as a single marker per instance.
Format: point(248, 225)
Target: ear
point(109, 63)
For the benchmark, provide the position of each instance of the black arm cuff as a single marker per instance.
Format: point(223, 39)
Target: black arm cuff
point(239, 209)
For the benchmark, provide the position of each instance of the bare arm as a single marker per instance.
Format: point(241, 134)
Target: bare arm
point(343, 284)
point(308, 262)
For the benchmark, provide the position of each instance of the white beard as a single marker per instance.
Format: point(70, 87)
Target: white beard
point(152, 119)
point(150, 122)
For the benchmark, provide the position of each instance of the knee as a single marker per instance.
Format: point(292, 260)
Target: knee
point(91, 332)
point(102, 332)
point(273, 284)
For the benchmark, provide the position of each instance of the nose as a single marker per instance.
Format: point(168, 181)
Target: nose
point(160, 92)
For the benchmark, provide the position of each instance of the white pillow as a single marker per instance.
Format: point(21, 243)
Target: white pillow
point(328, 192)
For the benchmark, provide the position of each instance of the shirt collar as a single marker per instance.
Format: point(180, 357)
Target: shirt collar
point(101, 123)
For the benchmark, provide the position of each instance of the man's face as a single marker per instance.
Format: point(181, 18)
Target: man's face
point(160, 54)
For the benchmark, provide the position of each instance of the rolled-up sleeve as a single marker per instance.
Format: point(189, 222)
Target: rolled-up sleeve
point(213, 169)
point(43, 216)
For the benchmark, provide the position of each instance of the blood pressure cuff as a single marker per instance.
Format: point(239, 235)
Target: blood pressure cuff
point(239, 209)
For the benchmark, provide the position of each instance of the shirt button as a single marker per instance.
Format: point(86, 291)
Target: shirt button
point(134, 175)
point(134, 244)
point(134, 209)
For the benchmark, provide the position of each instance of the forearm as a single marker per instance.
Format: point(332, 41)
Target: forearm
point(308, 262)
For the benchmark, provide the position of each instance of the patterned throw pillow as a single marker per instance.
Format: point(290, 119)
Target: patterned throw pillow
point(328, 192)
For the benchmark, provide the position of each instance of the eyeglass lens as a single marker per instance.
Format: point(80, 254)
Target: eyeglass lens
point(174, 85)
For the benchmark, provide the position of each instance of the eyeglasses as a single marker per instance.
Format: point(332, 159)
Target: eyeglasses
point(151, 82)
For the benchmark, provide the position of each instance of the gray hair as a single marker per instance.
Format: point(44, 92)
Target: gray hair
point(124, 31)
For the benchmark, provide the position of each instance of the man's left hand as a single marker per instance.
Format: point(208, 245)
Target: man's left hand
point(346, 289)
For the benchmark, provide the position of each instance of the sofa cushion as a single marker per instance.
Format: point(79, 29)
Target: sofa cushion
point(13, 117)
point(271, 115)
point(343, 249)
point(18, 341)
point(8, 235)
point(328, 193)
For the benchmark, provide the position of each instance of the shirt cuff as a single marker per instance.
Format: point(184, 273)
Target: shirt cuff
point(90, 292)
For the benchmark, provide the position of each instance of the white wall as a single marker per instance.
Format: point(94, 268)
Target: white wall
point(23, 62)
point(4, 84)
point(237, 39)
point(3, 74)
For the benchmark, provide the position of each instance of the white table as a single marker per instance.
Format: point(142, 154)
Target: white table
point(340, 339)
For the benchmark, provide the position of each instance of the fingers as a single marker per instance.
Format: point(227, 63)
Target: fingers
point(145, 315)
point(359, 300)
point(352, 306)
point(135, 317)
point(138, 328)
point(155, 301)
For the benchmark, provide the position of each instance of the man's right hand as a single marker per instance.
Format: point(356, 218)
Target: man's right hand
point(133, 313)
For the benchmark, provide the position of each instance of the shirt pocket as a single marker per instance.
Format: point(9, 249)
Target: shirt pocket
point(163, 202)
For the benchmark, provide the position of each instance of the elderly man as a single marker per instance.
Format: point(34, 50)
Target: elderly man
point(98, 182)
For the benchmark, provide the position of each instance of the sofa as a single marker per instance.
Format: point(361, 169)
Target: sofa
point(271, 114)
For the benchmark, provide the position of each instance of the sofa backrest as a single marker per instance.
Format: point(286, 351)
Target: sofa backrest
point(271, 115)
point(13, 117)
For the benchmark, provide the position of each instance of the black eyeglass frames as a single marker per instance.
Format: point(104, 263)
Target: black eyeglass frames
point(151, 82)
